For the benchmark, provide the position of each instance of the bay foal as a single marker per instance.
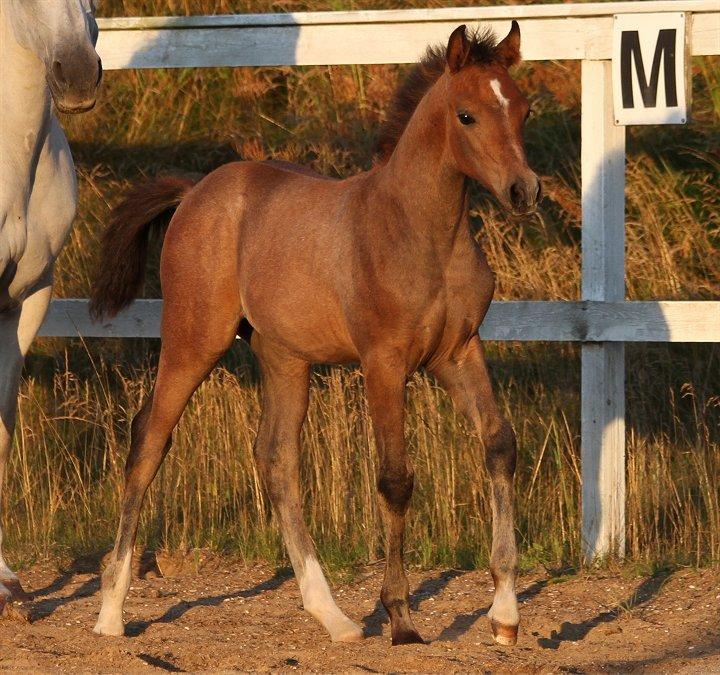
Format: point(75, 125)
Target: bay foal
point(380, 269)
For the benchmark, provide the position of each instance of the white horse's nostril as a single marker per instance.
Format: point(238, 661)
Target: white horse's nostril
point(57, 72)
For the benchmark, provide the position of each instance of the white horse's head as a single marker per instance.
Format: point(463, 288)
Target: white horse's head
point(62, 34)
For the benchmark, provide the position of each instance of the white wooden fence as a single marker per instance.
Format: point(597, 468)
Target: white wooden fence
point(602, 321)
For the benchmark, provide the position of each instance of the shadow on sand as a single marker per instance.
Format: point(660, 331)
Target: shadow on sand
point(462, 623)
point(41, 609)
point(373, 623)
point(134, 628)
point(572, 632)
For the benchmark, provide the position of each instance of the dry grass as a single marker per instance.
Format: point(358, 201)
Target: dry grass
point(77, 400)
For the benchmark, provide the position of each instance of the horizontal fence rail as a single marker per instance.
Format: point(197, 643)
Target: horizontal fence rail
point(602, 321)
point(513, 320)
point(550, 32)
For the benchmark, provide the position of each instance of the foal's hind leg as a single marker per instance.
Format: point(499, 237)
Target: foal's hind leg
point(189, 352)
point(285, 382)
point(466, 379)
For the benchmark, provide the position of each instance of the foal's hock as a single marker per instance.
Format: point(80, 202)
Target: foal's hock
point(380, 269)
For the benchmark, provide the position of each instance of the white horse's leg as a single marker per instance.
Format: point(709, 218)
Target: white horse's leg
point(10, 365)
point(17, 331)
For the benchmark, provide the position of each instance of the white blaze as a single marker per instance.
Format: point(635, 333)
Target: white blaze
point(504, 102)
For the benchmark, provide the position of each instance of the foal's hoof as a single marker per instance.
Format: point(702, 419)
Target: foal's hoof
point(110, 628)
point(504, 635)
point(407, 637)
point(349, 632)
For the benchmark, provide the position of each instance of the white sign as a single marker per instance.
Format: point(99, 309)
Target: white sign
point(648, 69)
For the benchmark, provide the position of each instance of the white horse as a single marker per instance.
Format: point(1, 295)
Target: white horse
point(47, 53)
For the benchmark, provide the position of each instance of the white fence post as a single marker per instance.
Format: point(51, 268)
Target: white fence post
point(603, 278)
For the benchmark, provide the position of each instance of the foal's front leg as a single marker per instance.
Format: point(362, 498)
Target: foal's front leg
point(385, 388)
point(465, 377)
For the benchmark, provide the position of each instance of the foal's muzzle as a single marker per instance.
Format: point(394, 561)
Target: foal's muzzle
point(525, 194)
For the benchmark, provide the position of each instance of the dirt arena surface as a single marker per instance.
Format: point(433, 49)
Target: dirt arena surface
point(221, 616)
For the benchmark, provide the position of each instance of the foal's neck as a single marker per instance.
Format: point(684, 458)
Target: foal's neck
point(420, 174)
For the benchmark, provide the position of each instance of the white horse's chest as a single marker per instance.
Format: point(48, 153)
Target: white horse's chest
point(40, 222)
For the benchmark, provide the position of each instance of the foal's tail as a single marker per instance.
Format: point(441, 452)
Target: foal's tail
point(125, 242)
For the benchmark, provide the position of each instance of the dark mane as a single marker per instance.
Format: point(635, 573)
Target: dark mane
point(420, 79)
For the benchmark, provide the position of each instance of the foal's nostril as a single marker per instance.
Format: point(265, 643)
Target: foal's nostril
point(538, 194)
point(58, 74)
point(516, 194)
point(100, 72)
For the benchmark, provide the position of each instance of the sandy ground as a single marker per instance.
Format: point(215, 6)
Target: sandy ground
point(220, 615)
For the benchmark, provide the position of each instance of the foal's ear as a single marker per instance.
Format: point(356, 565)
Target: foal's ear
point(458, 49)
point(508, 51)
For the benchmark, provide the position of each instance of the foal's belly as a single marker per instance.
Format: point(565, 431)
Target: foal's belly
point(315, 341)
point(300, 314)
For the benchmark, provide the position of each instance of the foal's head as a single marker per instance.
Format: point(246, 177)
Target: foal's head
point(486, 113)
point(62, 34)
point(483, 116)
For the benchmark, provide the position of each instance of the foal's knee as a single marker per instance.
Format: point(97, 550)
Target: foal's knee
point(396, 487)
point(500, 448)
point(272, 471)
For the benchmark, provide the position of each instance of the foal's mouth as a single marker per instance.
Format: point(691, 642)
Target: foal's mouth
point(515, 210)
point(523, 212)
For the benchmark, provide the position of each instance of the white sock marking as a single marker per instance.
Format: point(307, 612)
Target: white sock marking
point(114, 592)
point(318, 601)
point(505, 608)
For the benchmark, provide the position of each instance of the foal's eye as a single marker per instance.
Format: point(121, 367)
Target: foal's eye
point(466, 119)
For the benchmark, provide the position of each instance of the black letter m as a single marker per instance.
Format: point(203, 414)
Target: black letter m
point(629, 48)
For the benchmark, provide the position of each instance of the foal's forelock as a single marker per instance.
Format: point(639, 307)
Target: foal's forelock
point(407, 97)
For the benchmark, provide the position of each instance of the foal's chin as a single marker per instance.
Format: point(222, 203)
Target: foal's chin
point(523, 212)
point(513, 210)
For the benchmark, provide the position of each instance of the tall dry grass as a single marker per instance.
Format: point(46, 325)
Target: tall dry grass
point(78, 398)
